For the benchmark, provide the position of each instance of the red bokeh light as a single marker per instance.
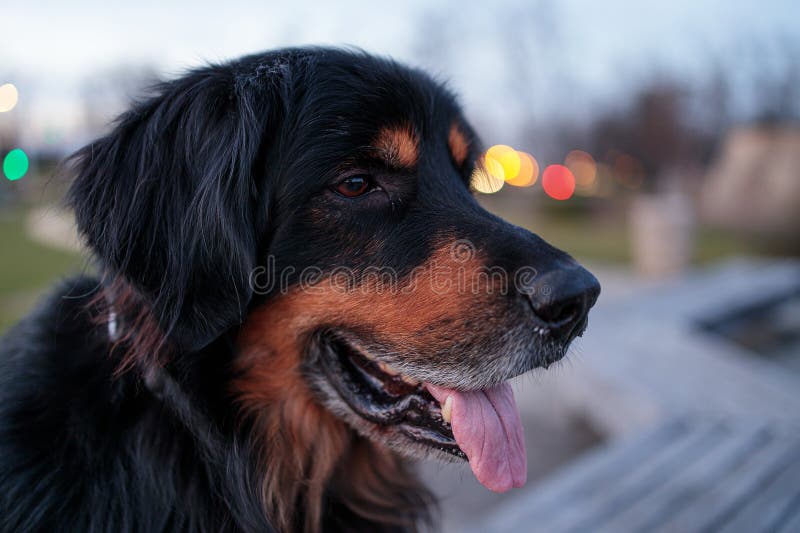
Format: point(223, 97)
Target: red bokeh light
point(558, 182)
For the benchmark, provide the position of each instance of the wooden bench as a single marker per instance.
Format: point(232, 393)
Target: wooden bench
point(681, 476)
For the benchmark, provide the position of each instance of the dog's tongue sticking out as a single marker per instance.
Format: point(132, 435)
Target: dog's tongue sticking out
point(488, 429)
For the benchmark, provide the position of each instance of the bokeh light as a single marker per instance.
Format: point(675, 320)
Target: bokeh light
point(8, 97)
point(508, 159)
point(493, 168)
point(584, 168)
point(485, 177)
point(558, 182)
point(15, 164)
point(528, 171)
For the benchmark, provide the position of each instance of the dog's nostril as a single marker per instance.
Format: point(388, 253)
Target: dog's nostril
point(560, 313)
point(566, 313)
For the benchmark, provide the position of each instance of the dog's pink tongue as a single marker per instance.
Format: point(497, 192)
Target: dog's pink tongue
point(488, 429)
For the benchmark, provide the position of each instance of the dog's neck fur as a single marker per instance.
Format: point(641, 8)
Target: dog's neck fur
point(308, 461)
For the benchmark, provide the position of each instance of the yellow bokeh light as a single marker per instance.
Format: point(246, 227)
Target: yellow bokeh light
point(583, 167)
point(507, 157)
point(494, 168)
point(528, 171)
point(485, 177)
point(8, 97)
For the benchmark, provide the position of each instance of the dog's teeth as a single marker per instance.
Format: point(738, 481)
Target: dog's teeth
point(447, 409)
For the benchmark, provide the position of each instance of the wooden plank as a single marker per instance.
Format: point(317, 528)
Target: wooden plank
point(708, 511)
point(756, 473)
point(575, 481)
point(791, 522)
point(625, 487)
point(766, 508)
point(680, 489)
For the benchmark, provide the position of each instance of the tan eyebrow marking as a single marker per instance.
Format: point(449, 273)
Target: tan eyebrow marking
point(398, 146)
point(458, 143)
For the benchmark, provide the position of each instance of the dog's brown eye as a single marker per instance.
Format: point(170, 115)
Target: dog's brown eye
point(354, 186)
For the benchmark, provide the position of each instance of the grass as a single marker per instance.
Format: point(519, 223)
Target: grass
point(27, 268)
point(610, 242)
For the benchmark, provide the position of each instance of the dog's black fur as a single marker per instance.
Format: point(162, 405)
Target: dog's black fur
point(143, 429)
point(82, 451)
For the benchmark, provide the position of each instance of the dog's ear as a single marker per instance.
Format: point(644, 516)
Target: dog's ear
point(168, 200)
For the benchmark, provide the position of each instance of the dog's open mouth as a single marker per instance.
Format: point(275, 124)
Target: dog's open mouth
point(387, 398)
point(482, 426)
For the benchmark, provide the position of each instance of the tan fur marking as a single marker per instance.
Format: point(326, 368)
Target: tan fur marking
point(400, 314)
point(459, 146)
point(398, 146)
point(302, 441)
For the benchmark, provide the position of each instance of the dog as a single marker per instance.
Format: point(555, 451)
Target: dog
point(296, 291)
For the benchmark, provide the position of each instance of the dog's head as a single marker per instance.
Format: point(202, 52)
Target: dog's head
point(317, 202)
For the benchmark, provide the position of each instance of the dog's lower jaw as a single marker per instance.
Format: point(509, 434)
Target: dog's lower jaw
point(381, 405)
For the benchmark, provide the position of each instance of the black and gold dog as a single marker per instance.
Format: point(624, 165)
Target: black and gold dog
point(296, 289)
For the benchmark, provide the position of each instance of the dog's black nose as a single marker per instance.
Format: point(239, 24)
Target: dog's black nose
point(561, 299)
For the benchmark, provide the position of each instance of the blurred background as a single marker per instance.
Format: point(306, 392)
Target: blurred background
point(657, 142)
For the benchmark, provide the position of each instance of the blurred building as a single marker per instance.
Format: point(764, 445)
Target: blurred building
point(753, 186)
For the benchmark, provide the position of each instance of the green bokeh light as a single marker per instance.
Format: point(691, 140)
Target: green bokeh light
point(15, 164)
